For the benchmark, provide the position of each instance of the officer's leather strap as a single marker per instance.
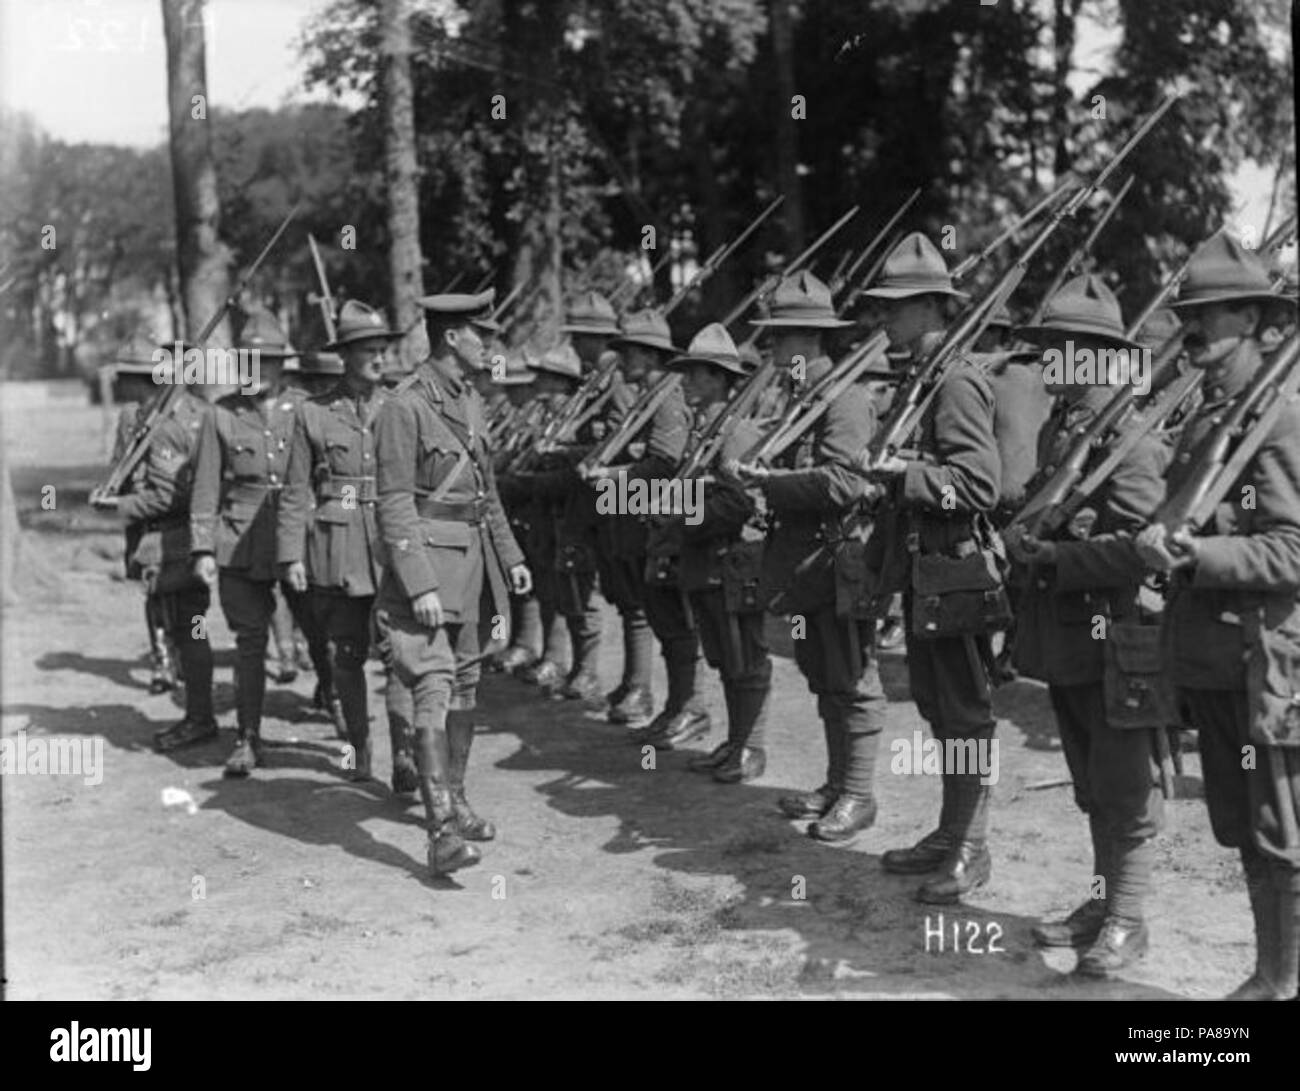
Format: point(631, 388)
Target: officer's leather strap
point(337, 486)
point(471, 511)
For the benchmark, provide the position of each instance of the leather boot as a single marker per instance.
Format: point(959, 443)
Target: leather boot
point(746, 710)
point(1119, 944)
point(686, 726)
point(544, 673)
point(968, 865)
point(448, 850)
point(635, 707)
point(353, 710)
point(812, 804)
point(847, 817)
point(706, 763)
point(246, 756)
point(513, 659)
point(581, 685)
point(400, 705)
point(819, 801)
point(1286, 975)
point(1079, 929)
point(1263, 908)
point(931, 851)
point(460, 738)
point(164, 671)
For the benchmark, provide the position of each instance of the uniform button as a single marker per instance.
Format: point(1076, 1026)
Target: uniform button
point(366, 457)
point(267, 432)
point(273, 479)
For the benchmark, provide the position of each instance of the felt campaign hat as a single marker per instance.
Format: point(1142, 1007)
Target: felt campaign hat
point(648, 328)
point(590, 313)
point(914, 267)
point(561, 359)
point(138, 355)
point(359, 322)
point(1082, 306)
point(262, 333)
point(803, 302)
point(712, 345)
point(1224, 271)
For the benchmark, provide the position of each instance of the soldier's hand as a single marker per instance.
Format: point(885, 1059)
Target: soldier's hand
point(521, 580)
point(1183, 547)
point(102, 501)
point(428, 610)
point(889, 466)
point(295, 575)
point(205, 568)
point(749, 472)
point(1157, 550)
point(596, 473)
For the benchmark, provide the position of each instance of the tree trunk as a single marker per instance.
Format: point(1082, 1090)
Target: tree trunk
point(201, 257)
point(787, 135)
point(401, 175)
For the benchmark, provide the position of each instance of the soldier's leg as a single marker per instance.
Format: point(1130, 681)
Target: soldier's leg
point(423, 659)
point(526, 625)
point(923, 675)
point(853, 701)
point(582, 614)
point(184, 617)
point(747, 686)
point(249, 606)
point(399, 704)
point(1127, 796)
point(344, 623)
point(460, 730)
point(1074, 708)
point(160, 658)
point(302, 605)
point(809, 656)
point(710, 616)
point(282, 632)
point(964, 717)
point(673, 622)
point(636, 702)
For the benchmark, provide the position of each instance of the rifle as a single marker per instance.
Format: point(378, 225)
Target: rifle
point(1074, 264)
point(322, 298)
point(637, 418)
point(482, 284)
point(714, 261)
point(149, 421)
point(919, 391)
point(805, 411)
point(505, 303)
point(740, 407)
point(637, 289)
point(964, 267)
point(839, 283)
point(1248, 423)
point(793, 267)
point(595, 389)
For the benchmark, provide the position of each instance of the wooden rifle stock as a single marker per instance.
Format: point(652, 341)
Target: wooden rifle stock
point(637, 418)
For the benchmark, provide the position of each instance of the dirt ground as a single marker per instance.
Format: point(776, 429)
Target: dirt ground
point(607, 880)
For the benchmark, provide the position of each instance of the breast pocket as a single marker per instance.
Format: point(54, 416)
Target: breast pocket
point(246, 460)
point(328, 540)
point(338, 455)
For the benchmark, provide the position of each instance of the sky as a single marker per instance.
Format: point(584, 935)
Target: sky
point(96, 70)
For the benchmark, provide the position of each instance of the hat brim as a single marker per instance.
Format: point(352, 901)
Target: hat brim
point(584, 328)
point(908, 293)
point(1263, 298)
point(265, 353)
point(802, 323)
point(734, 367)
point(1036, 335)
point(362, 335)
point(644, 342)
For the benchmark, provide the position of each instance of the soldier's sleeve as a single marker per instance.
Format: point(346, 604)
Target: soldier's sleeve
point(396, 442)
point(726, 507)
point(845, 431)
point(966, 474)
point(163, 481)
point(1129, 500)
point(1268, 558)
point(670, 428)
point(206, 496)
point(125, 425)
point(503, 538)
point(296, 496)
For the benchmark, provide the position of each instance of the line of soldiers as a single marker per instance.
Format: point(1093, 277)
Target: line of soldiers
point(428, 561)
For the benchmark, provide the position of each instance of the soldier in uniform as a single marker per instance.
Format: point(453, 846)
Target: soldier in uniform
point(449, 545)
point(541, 498)
point(156, 511)
point(808, 495)
point(582, 546)
point(721, 558)
point(645, 345)
point(239, 472)
point(334, 549)
point(1057, 613)
point(937, 506)
point(1232, 622)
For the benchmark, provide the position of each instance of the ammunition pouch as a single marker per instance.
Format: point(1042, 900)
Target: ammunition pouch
point(742, 569)
point(958, 596)
point(855, 589)
point(1137, 692)
point(1273, 685)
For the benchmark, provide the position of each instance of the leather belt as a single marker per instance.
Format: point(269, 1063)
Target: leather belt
point(332, 488)
point(249, 492)
point(470, 511)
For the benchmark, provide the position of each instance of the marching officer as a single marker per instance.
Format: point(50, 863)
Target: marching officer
point(721, 562)
point(937, 507)
point(333, 550)
point(156, 511)
point(644, 347)
point(449, 545)
point(1057, 613)
point(1232, 617)
point(808, 495)
point(243, 450)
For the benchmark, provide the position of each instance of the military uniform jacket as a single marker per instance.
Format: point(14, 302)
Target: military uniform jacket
point(239, 472)
point(932, 507)
point(807, 496)
point(327, 509)
point(1055, 623)
point(157, 506)
point(1244, 587)
point(665, 439)
point(438, 510)
point(1020, 407)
